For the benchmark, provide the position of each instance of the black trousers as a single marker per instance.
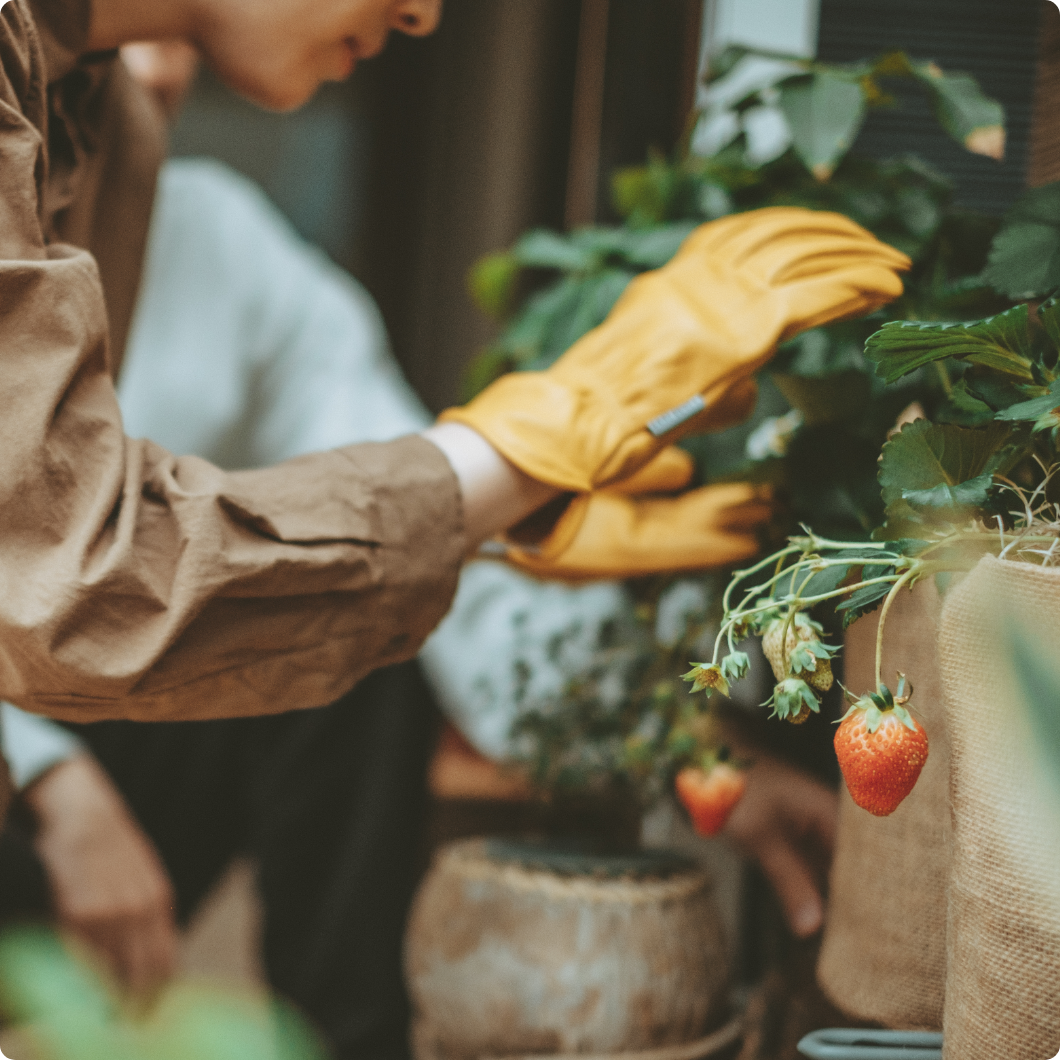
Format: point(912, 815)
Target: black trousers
point(331, 805)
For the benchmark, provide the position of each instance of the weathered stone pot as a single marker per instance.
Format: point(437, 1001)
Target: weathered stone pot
point(510, 953)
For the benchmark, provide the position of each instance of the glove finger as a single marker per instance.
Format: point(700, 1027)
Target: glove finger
point(670, 470)
point(764, 240)
point(622, 537)
point(866, 289)
point(736, 507)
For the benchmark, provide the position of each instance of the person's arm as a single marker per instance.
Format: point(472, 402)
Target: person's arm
point(107, 882)
point(140, 584)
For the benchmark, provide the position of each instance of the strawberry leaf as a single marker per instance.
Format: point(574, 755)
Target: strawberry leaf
point(862, 601)
point(941, 471)
point(973, 493)
point(1025, 257)
point(964, 408)
point(1001, 342)
point(1029, 411)
point(826, 579)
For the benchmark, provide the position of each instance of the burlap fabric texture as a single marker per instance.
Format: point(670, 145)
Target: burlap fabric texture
point(1003, 981)
point(883, 956)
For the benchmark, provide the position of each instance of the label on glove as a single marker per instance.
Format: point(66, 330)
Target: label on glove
point(667, 421)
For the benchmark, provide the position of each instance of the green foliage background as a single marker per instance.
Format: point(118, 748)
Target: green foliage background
point(830, 398)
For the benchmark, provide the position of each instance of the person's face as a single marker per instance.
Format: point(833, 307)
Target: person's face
point(278, 52)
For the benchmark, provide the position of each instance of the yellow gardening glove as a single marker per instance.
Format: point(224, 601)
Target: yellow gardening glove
point(676, 353)
point(631, 530)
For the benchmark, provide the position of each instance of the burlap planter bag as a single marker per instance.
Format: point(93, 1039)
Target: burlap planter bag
point(883, 955)
point(1003, 981)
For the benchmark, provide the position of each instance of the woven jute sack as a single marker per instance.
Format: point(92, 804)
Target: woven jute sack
point(1003, 979)
point(883, 955)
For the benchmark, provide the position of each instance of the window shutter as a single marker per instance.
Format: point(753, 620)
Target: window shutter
point(994, 40)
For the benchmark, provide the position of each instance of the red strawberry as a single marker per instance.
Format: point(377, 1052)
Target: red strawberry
point(709, 797)
point(881, 750)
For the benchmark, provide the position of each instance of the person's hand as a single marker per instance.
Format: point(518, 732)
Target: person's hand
point(677, 353)
point(108, 883)
point(786, 821)
point(635, 530)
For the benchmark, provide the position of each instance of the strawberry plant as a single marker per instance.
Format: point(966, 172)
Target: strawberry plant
point(980, 477)
point(770, 130)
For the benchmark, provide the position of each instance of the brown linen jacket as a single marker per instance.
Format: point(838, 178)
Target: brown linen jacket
point(134, 583)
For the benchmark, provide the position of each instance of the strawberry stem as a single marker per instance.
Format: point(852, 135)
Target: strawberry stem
point(905, 577)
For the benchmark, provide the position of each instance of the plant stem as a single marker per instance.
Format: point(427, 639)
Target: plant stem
point(910, 573)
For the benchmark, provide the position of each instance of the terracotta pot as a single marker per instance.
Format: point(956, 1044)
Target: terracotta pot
point(513, 951)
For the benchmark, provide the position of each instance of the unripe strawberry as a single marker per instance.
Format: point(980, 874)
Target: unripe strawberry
point(805, 657)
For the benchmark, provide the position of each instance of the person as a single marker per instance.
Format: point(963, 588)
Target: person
point(111, 851)
point(144, 585)
point(141, 585)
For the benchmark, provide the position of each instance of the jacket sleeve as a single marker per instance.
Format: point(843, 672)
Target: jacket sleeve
point(136, 584)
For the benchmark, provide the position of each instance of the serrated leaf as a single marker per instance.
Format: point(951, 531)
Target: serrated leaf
point(1025, 256)
point(970, 117)
point(1001, 342)
point(924, 456)
point(862, 601)
point(825, 111)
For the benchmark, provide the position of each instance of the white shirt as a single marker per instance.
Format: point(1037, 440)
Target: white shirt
point(249, 347)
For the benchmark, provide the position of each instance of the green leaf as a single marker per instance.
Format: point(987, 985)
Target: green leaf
point(970, 117)
point(1001, 342)
point(862, 601)
point(825, 111)
point(594, 298)
point(828, 579)
point(1025, 256)
point(1030, 411)
point(652, 248)
point(924, 456)
point(964, 408)
point(543, 249)
point(972, 493)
